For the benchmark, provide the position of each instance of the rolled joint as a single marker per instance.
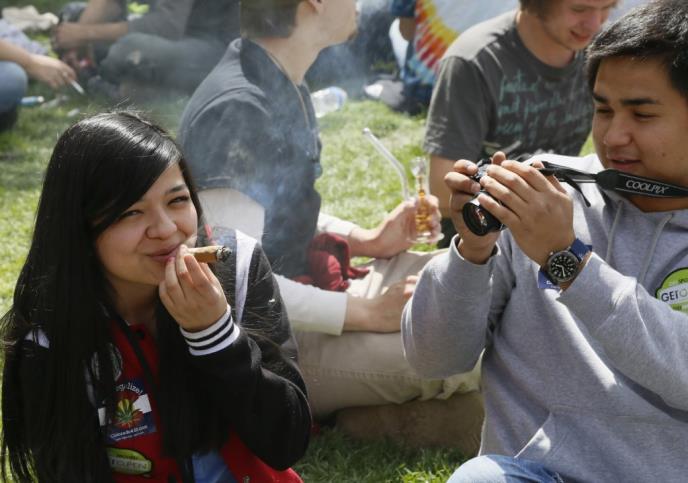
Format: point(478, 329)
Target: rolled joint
point(210, 254)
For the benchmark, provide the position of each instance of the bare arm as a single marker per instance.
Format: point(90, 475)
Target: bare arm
point(40, 67)
point(101, 11)
point(71, 35)
point(407, 28)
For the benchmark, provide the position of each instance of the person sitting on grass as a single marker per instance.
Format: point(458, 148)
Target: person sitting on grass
point(16, 66)
point(429, 27)
point(252, 139)
point(125, 358)
point(581, 306)
point(172, 47)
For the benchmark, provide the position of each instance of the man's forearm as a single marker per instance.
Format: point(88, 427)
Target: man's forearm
point(361, 242)
point(102, 11)
point(104, 32)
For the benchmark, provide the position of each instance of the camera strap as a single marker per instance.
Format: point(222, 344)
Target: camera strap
point(614, 180)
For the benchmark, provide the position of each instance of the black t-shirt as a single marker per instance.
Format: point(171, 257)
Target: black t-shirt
point(249, 128)
point(492, 93)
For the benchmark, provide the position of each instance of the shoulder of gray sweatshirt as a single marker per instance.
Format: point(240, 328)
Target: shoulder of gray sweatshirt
point(591, 382)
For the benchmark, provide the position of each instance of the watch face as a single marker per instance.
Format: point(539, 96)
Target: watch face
point(562, 266)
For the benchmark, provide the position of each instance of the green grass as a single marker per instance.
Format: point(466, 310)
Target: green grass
point(334, 458)
point(357, 184)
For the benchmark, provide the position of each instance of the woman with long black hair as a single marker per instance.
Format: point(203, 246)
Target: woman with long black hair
point(125, 358)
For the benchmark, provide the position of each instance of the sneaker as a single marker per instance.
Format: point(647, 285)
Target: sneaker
point(391, 93)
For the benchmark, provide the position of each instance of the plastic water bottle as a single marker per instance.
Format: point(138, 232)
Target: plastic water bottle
point(32, 101)
point(328, 100)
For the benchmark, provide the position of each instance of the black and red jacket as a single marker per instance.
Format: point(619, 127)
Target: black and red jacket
point(256, 379)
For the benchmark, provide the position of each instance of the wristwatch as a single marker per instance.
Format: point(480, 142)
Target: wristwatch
point(563, 266)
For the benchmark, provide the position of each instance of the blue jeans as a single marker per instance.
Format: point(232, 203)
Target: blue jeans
point(211, 468)
point(503, 469)
point(13, 83)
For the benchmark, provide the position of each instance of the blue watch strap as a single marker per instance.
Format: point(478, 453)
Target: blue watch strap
point(579, 249)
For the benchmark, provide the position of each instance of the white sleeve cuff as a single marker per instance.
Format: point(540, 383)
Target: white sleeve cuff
point(212, 339)
point(311, 309)
point(332, 224)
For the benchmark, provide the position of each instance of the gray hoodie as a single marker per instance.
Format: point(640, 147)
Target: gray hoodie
point(592, 382)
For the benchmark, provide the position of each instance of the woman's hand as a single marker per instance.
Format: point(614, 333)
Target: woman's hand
point(191, 292)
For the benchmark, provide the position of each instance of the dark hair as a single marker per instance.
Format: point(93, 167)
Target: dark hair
point(655, 31)
point(100, 166)
point(539, 8)
point(268, 18)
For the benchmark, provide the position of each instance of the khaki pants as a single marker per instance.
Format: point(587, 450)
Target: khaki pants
point(365, 368)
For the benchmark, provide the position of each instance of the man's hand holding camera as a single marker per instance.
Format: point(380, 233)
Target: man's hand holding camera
point(537, 209)
point(474, 248)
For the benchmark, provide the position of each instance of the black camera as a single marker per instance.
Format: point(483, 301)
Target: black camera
point(478, 219)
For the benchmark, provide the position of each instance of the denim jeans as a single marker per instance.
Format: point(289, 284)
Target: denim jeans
point(155, 61)
point(211, 468)
point(503, 469)
point(13, 82)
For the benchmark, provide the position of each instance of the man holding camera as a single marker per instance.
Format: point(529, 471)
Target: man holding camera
point(581, 311)
point(513, 83)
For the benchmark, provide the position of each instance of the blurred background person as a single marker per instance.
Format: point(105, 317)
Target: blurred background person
point(426, 28)
point(172, 46)
point(354, 63)
point(17, 65)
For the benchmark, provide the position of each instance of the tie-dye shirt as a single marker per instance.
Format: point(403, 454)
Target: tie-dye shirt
point(438, 23)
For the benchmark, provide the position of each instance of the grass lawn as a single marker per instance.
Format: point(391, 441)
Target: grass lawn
point(357, 184)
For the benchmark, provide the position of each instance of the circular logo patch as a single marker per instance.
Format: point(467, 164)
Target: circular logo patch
point(674, 290)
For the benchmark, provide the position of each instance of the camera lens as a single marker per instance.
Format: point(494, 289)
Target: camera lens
point(479, 220)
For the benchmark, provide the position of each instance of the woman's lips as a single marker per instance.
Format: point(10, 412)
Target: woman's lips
point(162, 256)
